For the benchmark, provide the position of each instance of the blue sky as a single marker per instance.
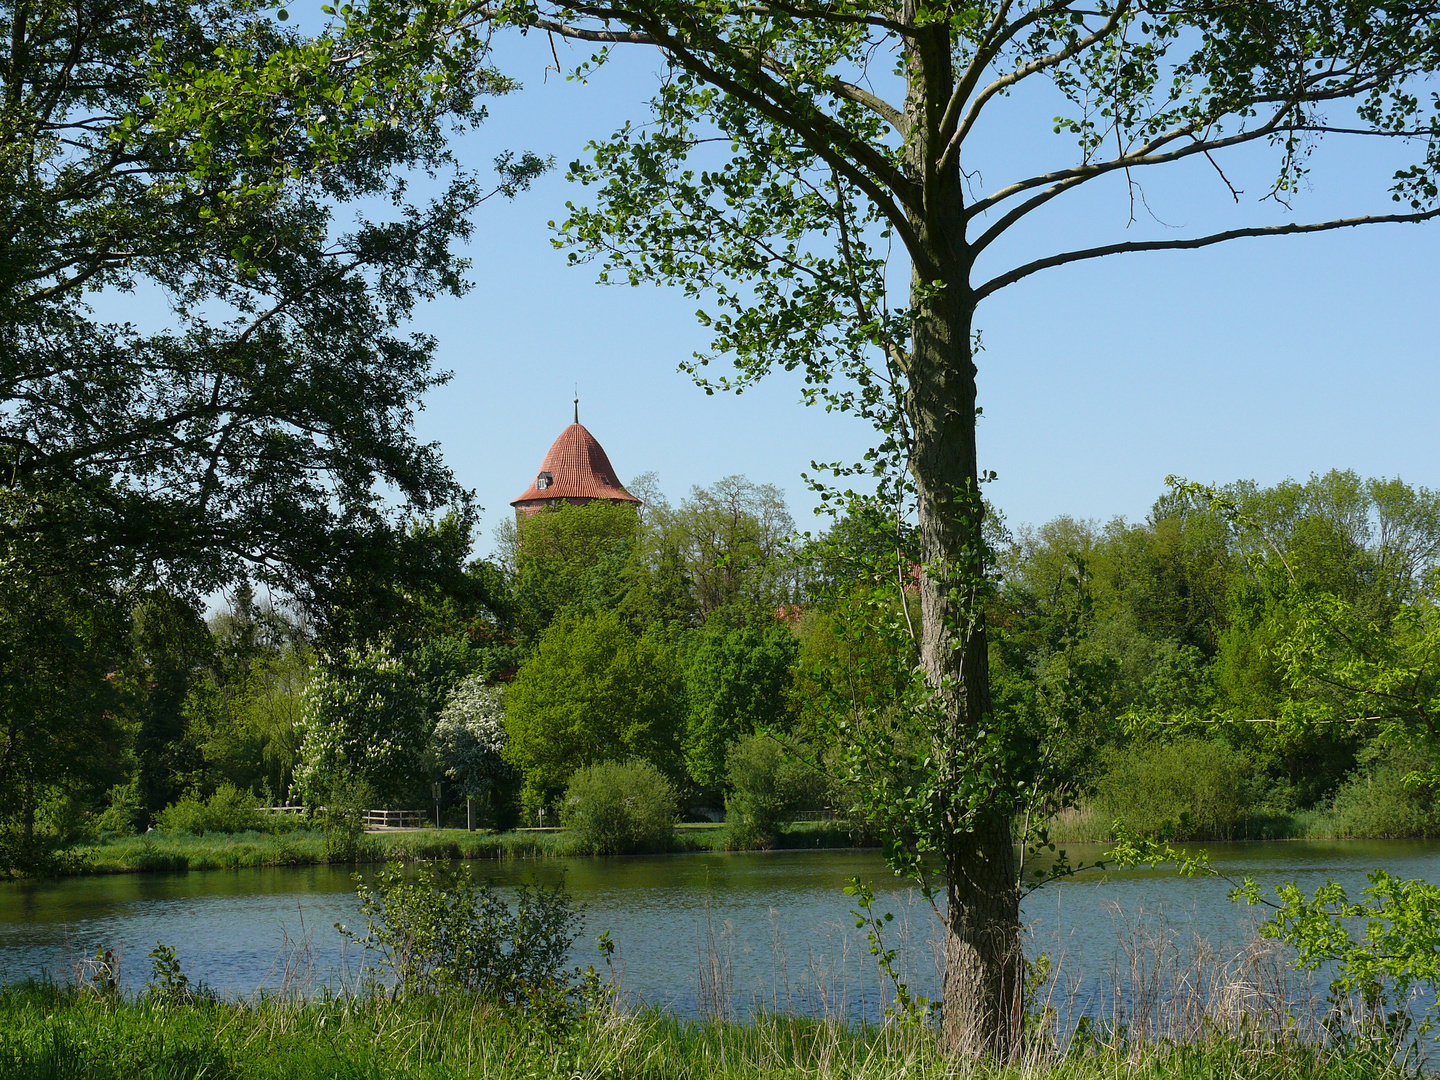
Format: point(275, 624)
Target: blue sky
point(1263, 359)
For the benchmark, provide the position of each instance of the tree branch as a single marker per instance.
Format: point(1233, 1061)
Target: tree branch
point(841, 88)
point(985, 53)
point(1004, 82)
point(1012, 276)
point(878, 105)
point(860, 163)
point(1064, 180)
point(565, 30)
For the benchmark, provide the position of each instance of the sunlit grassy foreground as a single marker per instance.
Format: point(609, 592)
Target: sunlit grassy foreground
point(52, 1033)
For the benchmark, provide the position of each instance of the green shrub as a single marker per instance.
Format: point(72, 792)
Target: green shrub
point(767, 788)
point(120, 817)
point(345, 840)
point(1375, 801)
point(436, 928)
point(1192, 788)
point(229, 810)
point(63, 817)
point(619, 807)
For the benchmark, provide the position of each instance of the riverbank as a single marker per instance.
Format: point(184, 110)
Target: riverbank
point(304, 847)
point(1088, 825)
point(51, 1032)
point(178, 851)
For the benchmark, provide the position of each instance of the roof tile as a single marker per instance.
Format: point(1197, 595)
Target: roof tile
point(578, 469)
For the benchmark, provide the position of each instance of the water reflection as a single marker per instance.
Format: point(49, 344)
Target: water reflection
point(768, 928)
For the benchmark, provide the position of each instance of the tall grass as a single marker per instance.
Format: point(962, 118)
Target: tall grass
point(213, 851)
point(306, 847)
point(49, 1034)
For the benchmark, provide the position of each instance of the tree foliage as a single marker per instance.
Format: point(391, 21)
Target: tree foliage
point(734, 538)
point(737, 683)
point(60, 723)
point(197, 154)
point(572, 559)
point(592, 691)
point(469, 737)
point(366, 719)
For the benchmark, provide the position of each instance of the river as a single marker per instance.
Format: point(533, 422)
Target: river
point(772, 929)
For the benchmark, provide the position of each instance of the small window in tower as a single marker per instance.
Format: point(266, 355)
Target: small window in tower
point(543, 481)
point(605, 480)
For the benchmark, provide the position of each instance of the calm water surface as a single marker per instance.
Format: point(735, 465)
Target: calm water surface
point(767, 928)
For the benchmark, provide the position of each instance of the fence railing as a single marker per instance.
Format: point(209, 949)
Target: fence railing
point(813, 815)
point(394, 819)
point(298, 811)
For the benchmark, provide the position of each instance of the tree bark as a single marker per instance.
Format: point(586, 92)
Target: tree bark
point(984, 964)
point(983, 958)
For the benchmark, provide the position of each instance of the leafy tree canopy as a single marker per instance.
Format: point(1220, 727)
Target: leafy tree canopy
point(367, 719)
point(62, 639)
point(593, 691)
point(571, 558)
point(199, 153)
point(737, 683)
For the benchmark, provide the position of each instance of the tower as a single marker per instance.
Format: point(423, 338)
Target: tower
point(576, 470)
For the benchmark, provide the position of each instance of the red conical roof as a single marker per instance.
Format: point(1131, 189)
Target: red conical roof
point(575, 468)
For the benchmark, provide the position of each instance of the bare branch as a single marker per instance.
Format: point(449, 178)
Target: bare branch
point(824, 15)
point(1012, 276)
point(578, 33)
point(985, 51)
point(1041, 63)
point(841, 88)
point(1064, 180)
point(1145, 155)
point(995, 39)
point(874, 103)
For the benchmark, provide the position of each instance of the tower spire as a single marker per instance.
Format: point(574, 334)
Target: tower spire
point(577, 403)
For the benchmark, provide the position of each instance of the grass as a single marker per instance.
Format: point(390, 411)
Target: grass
point(212, 851)
point(1087, 825)
point(49, 1033)
point(306, 847)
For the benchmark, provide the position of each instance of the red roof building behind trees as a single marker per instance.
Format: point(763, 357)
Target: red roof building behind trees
point(575, 470)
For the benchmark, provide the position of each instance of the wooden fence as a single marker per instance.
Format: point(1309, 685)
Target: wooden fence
point(373, 819)
point(394, 819)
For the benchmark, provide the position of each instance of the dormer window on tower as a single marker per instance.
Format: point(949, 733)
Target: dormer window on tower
point(543, 481)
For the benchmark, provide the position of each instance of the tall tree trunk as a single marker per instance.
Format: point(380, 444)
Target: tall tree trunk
point(983, 960)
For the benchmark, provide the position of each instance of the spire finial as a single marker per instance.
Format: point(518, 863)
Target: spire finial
point(577, 403)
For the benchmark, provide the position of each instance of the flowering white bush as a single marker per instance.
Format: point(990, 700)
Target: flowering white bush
point(364, 718)
point(470, 736)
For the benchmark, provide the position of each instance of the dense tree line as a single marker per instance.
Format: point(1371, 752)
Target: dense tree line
point(1178, 670)
point(1199, 622)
